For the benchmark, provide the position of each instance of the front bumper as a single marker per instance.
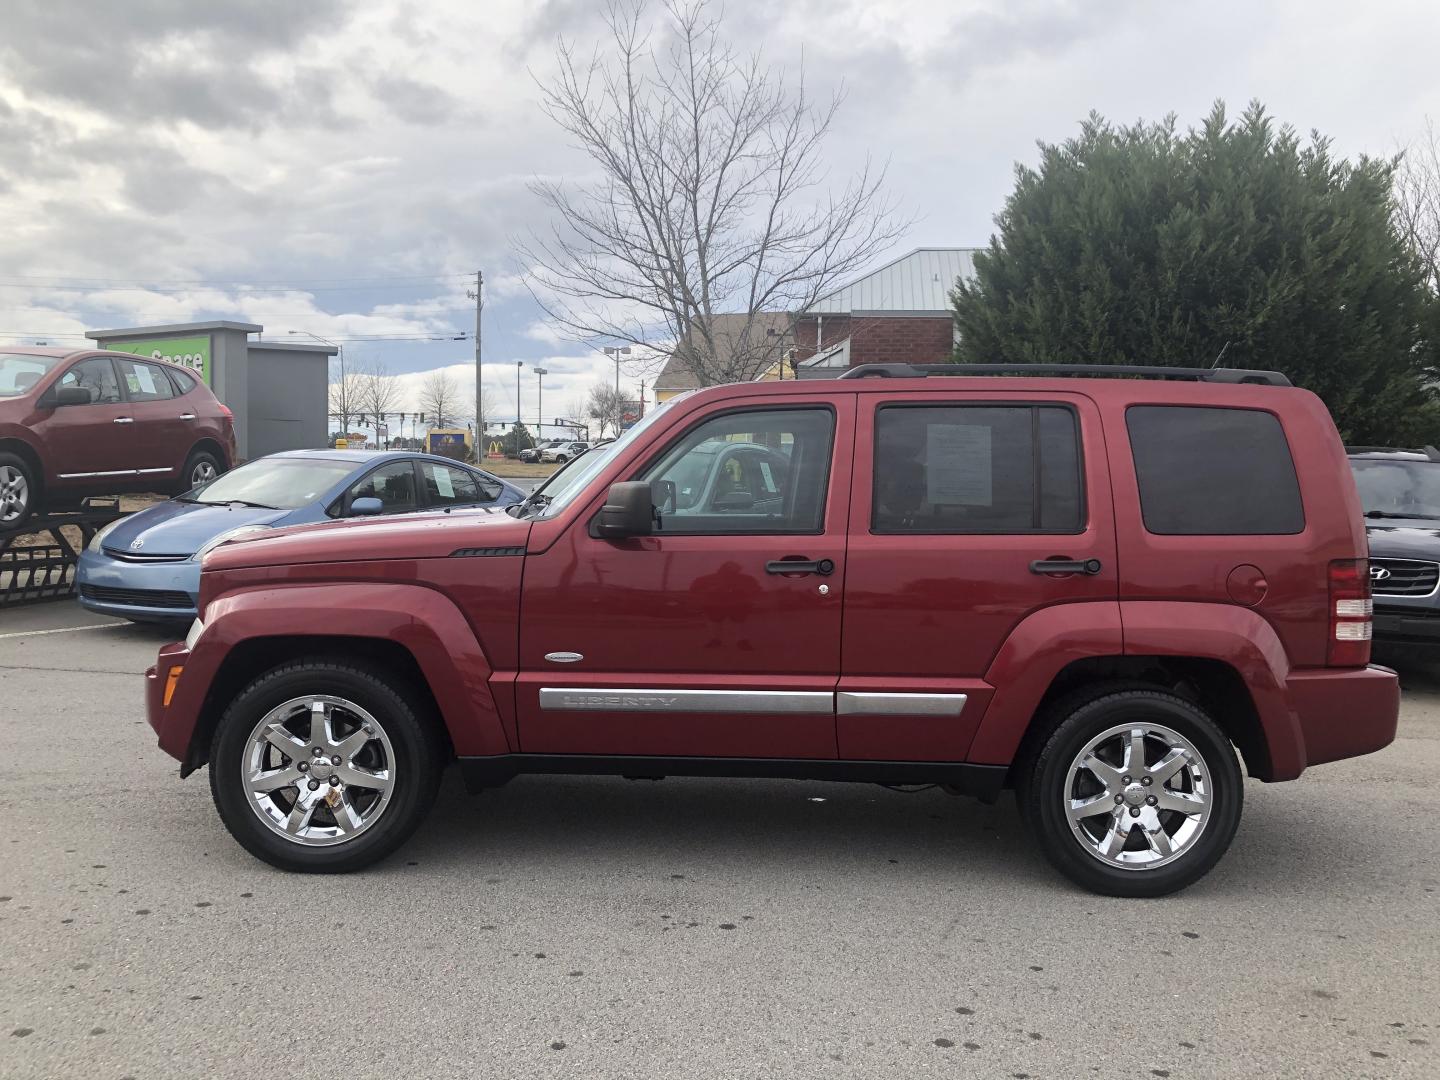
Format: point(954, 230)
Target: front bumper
point(1409, 624)
point(143, 591)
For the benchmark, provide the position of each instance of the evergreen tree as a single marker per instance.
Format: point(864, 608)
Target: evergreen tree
point(1141, 245)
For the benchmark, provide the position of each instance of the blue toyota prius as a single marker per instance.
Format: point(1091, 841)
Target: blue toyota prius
point(146, 567)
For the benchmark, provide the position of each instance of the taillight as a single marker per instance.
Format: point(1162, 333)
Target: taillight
point(1350, 613)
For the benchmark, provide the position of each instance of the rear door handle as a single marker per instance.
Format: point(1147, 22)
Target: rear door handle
point(187, 416)
point(1066, 566)
point(823, 567)
point(124, 419)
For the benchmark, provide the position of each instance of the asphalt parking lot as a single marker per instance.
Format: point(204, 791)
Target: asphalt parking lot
point(595, 927)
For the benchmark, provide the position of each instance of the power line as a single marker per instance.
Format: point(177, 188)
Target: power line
point(62, 281)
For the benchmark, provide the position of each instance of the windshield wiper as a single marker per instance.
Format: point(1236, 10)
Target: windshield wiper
point(1412, 517)
point(234, 502)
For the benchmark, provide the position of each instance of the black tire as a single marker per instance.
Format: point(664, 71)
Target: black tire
point(419, 758)
point(19, 491)
point(561, 459)
point(1045, 778)
point(194, 472)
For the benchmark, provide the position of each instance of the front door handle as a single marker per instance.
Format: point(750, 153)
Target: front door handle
point(823, 567)
point(1066, 566)
point(187, 416)
point(124, 419)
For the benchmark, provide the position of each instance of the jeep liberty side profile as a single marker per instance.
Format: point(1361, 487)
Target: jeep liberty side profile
point(1099, 587)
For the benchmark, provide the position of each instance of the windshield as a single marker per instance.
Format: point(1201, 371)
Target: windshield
point(581, 470)
point(277, 483)
point(20, 371)
point(1398, 487)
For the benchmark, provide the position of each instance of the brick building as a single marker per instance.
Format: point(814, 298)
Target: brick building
point(899, 313)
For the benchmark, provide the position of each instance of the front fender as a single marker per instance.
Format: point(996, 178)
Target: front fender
point(421, 620)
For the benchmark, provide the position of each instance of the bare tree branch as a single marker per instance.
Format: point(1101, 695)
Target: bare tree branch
point(712, 200)
point(1417, 201)
point(440, 399)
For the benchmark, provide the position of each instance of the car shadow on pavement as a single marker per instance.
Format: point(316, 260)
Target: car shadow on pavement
point(784, 826)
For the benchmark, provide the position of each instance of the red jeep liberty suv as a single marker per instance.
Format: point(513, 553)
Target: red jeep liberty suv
point(1092, 590)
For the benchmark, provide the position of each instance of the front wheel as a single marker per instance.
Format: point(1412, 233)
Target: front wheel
point(318, 767)
point(1134, 793)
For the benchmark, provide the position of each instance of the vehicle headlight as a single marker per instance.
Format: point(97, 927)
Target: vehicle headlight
point(94, 544)
point(211, 544)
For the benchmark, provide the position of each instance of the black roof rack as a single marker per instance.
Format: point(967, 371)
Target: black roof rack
point(1215, 375)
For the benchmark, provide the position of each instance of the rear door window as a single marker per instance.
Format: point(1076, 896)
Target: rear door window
point(446, 486)
point(144, 382)
point(1214, 472)
point(977, 469)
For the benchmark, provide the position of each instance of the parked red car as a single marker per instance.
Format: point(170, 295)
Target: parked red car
point(1091, 590)
point(91, 422)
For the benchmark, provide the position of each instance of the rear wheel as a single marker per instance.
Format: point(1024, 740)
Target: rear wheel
point(321, 768)
point(200, 468)
point(18, 490)
point(1133, 793)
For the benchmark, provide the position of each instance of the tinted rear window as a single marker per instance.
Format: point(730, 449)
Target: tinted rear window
point(1214, 472)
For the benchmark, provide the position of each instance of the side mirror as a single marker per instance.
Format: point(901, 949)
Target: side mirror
point(71, 395)
point(629, 510)
point(368, 506)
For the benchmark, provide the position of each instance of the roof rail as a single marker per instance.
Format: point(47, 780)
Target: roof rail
point(1215, 375)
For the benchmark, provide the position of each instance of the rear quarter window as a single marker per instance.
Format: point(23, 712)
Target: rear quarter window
point(1214, 472)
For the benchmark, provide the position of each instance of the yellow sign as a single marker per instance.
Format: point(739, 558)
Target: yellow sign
point(342, 444)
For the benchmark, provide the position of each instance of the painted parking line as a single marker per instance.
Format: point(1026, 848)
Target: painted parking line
point(62, 630)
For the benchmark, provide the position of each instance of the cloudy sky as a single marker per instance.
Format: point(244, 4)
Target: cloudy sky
point(341, 166)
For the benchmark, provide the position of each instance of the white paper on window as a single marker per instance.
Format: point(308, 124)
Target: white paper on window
point(146, 378)
point(443, 483)
point(959, 465)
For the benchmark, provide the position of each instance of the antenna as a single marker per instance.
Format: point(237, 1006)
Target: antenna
point(1223, 350)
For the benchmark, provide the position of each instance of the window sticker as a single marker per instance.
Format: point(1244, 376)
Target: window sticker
point(443, 483)
point(145, 377)
point(959, 465)
point(769, 479)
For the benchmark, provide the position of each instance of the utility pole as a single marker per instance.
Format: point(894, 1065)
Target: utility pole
point(479, 297)
point(540, 374)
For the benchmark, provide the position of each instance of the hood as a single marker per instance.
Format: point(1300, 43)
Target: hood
point(408, 536)
point(182, 528)
point(1396, 540)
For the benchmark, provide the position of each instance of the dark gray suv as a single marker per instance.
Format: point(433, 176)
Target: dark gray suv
point(1400, 491)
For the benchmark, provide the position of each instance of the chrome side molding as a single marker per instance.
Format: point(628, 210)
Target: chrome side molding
point(814, 702)
point(808, 702)
point(848, 703)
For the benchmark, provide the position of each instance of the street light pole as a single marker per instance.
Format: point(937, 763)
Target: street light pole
point(479, 297)
point(616, 352)
point(540, 374)
point(518, 365)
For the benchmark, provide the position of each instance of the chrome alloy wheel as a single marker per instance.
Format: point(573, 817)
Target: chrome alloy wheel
point(203, 473)
point(1138, 796)
point(14, 494)
point(319, 770)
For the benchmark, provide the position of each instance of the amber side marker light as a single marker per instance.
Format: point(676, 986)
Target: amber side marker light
point(170, 681)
